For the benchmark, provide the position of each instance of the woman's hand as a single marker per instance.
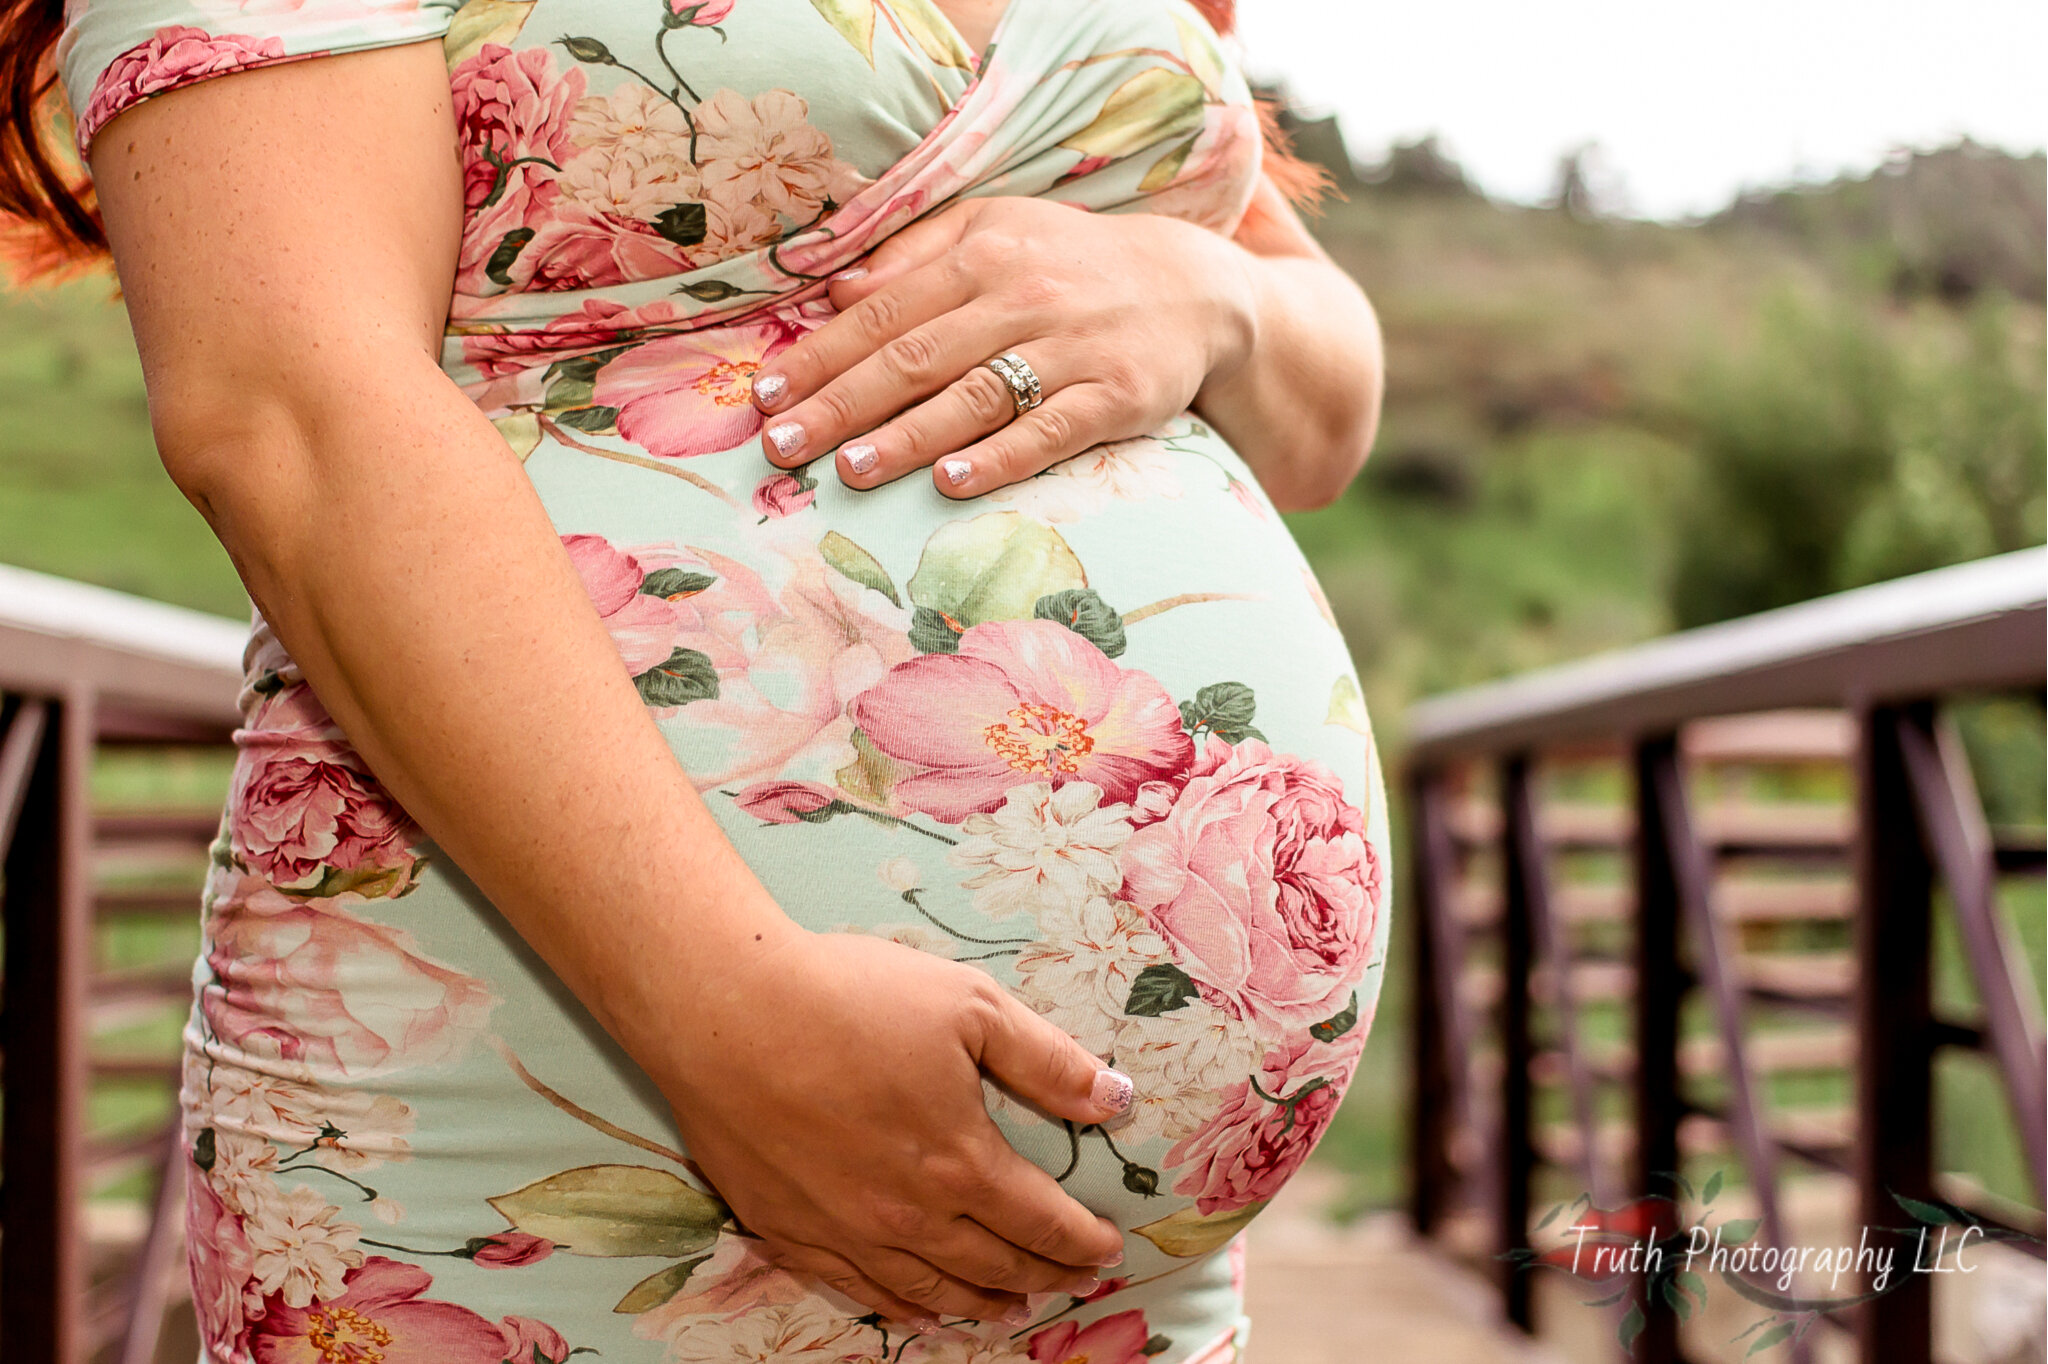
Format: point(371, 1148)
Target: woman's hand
point(832, 1093)
point(1123, 316)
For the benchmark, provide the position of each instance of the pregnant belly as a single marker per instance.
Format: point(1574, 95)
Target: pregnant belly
point(1095, 734)
point(1096, 737)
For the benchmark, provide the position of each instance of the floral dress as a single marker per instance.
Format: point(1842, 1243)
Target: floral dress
point(1095, 733)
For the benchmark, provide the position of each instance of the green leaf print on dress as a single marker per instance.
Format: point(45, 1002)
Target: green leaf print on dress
point(613, 1210)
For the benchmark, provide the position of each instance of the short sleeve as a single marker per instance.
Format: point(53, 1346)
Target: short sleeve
point(115, 53)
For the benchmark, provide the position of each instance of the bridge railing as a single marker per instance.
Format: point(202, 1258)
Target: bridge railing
point(1654, 882)
point(101, 896)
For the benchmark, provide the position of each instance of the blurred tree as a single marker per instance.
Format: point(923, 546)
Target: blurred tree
point(1831, 455)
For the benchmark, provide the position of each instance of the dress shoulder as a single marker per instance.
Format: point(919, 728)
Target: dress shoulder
point(116, 53)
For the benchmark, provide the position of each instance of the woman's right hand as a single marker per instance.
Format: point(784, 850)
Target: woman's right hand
point(832, 1094)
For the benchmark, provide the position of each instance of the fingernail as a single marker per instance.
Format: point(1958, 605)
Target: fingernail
point(1020, 1315)
point(787, 437)
point(769, 388)
point(925, 1326)
point(1112, 1087)
point(957, 471)
point(1113, 1261)
point(853, 273)
point(1081, 1287)
point(859, 458)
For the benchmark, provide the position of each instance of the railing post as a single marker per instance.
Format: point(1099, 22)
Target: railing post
point(1514, 1158)
point(1659, 986)
point(47, 910)
point(1894, 1073)
point(1429, 1138)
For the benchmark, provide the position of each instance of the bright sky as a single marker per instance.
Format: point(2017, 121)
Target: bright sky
point(1688, 101)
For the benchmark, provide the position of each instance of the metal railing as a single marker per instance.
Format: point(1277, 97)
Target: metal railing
point(89, 1257)
point(1552, 809)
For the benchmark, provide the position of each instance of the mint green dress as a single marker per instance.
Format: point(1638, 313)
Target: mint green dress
point(1095, 732)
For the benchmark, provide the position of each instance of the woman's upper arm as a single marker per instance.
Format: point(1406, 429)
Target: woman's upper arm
point(1271, 227)
point(283, 233)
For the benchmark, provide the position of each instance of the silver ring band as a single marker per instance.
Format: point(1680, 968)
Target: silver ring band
point(1011, 368)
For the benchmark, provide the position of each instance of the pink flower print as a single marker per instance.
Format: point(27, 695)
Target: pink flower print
point(785, 802)
point(1248, 1148)
point(221, 1267)
point(510, 107)
point(781, 495)
point(509, 1250)
point(645, 627)
point(380, 1315)
point(788, 667)
point(308, 981)
point(498, 355)
point(701, 12)
point(1022, 701)
point(171, 57)
point(1262, 882)
point(574, 247)
point(1117, 1339)
point(304, 805)
point(532, 1342)
point(734, 1280)
point(692, 394)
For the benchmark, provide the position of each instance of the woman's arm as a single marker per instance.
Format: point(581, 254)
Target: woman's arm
point(1302, 403)
point(286, 239)
point(1127, 318)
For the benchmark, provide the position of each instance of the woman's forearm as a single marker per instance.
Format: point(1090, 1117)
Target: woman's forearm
point(1300, 400)
point(402, 556)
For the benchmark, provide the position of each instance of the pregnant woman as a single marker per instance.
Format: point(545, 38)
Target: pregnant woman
point(796, 800)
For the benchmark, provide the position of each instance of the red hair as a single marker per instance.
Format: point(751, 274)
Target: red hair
point(50, 224)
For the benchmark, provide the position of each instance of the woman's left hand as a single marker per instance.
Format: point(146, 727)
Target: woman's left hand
point(1122, 316)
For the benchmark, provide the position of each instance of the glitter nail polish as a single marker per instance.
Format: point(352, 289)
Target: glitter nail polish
point(1020, 1315)
point(769, 388)
point(852, 273)
point(957, 471)
point(787, 438)
point(1113, 1090)
point(859, 458)
point(1081, 1287)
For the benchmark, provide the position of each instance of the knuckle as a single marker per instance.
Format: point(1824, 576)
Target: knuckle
point(1038, 291)
point(836, 408)
point(986, 397)
point(1058, 426)
point(913, 356)
point(898, 1220)
point(923, 1286)
point(979, 251)
point(881, 316)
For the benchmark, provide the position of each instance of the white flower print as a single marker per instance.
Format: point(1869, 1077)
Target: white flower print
point(900, 874)
point(633, 154)
point(923, 937)
point(258, 1103)
point(1131, 470)
point(244, 1169)
point(360, 1129)
point(296, 1248)
point(786, 1333)
point(1178, 1063)
point(766, 150)
point(957, 1347)
point(1080, 974)
point(1044, 849)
